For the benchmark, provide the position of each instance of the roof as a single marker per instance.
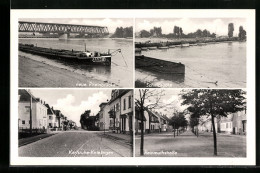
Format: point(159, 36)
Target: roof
point(121, 93)
point(101, 104)
point(151, 113)
point(160, 116)
point(49, 109)
point(26, 96)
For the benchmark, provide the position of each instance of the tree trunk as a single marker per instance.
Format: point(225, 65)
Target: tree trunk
point(149, 131)
point(218, 124)
point(214, 135)
point(174, 130)
point(142, 133)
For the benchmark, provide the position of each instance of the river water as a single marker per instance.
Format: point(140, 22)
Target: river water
point(215, 65)
point(120, 73)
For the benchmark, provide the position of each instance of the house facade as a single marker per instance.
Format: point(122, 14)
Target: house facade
point(104, 120)
point(153, 121)
point(126, 115)
point(28, 103)
point(235, 123)
point(51, 116)
point(120, 111)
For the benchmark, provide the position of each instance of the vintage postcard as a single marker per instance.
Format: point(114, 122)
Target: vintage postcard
point(132, 87)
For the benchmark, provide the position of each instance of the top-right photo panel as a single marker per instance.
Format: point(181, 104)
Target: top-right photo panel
point(190, 52)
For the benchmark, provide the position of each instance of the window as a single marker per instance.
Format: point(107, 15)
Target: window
point(27, 109)
point(130, 101)
point(227, 125)
point(124, 104)
point(140, 125)
point(50, 117)
point(23, 121)
point(117, 107)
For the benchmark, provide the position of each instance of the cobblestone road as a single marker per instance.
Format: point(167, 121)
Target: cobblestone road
point(76, 144)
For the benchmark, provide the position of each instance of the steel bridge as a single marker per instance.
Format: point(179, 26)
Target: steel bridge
point(61, 28)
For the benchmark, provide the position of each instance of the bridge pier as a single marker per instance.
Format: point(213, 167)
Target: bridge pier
point(64, 36)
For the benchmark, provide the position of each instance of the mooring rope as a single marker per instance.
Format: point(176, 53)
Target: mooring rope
point(124, 59)
point(216, 82)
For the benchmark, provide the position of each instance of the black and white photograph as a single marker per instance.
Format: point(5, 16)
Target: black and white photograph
point(75, 123)
point(75, 52)
point(190, 52)
point(133, 87)
point(190, 123)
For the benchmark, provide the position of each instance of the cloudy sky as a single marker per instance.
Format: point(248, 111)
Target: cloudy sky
point(171, 98)
point(111, 24)
point(73, 102)
point(217, 25)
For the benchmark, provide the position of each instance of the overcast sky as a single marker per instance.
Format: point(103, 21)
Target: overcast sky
point(111, 24)
point(217, 25)
point(73, 102)
point(171, 98)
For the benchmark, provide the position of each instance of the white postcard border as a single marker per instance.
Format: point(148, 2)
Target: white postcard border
point(251, 148)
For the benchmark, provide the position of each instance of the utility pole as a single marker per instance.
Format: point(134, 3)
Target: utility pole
point(30, 113)
point(114, 115)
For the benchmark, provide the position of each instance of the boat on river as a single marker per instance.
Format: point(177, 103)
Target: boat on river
point(82, 56)
point(158, 65)
point(163, 47)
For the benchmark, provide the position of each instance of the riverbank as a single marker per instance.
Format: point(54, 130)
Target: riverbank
point(39, 74)
point(162, 42)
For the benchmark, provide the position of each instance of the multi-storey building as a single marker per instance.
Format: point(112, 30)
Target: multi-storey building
point(234, 123)
point(104, 120)
point(27, 105)
point(153, 122)
point(51, 116)
point(121, 111)
point(126, 114)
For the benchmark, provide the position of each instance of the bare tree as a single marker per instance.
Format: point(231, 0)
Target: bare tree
point(148, 99)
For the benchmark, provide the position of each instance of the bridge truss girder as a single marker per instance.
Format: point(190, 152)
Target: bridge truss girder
point(60, 28)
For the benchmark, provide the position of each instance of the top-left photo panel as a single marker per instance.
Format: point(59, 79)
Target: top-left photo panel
point(75, 52)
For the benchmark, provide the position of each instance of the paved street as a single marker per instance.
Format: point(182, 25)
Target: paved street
point(188, 145)
point(76, 144)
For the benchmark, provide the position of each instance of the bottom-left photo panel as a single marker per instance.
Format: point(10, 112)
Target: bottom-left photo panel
point(75, 123)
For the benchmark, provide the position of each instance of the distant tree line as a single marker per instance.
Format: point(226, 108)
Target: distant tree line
point(242, 33)
point(178, 33)
point(88, 122)
point(123, 32)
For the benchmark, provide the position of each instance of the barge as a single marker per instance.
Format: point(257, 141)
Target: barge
point(82, 56)
point(159, 66)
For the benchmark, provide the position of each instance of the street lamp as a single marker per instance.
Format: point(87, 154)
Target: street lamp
point(104, 126)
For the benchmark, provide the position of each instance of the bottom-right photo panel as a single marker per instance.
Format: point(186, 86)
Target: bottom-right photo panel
point(190, 123)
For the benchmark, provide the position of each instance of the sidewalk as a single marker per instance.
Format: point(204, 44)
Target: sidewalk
point(25, 141)
point(126, 138)
point(159, 134)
